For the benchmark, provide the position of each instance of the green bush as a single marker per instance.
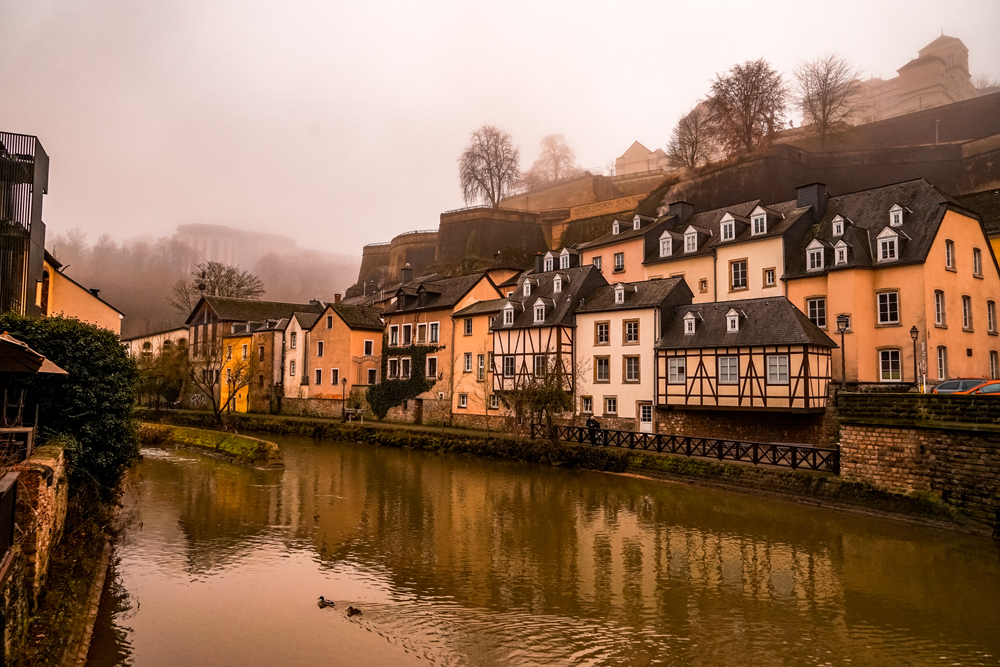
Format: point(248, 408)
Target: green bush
point(92, 404)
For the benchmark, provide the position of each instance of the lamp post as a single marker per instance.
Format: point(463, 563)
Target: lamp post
point(914, 332)
point(343, 398)
point(843, 321)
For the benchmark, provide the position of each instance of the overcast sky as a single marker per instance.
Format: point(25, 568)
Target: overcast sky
point(340, 123)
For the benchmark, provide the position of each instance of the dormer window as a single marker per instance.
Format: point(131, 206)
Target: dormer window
point(614, 227)
point(689, 323)
point(888, 246)
point(564, 259)
point(814, 256)
point(549, 261)
point(620, 294)
point(527, 288)
point(508, 315)
point(636, 222)
point(838, 226)
point(557, 284)
point(690, 241)
point(728, 228)
point(666, 244)
point(539, 313)
point(732, 321)
point(896, 216)
point(840, 253)
point(759, 224)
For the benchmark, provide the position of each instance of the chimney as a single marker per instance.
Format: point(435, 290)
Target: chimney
point(682, 210)
point(93, 291)
point(813, 195)
point(336, 299)
point(539, 262)
point(405, 274)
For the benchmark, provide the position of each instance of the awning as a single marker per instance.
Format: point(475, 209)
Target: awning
point(16, 357)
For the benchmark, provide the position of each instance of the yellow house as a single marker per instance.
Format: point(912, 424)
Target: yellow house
point(913, 276)
point(60, 295)
point(473, 398)
point(238, 370)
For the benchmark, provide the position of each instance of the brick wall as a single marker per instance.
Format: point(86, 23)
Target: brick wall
point(328, 408)
point(810, 429)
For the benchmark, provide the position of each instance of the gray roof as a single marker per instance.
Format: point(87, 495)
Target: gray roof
point(434, 294)
point(769, 321)
point(357, 317)
point(987, 205)
point(229, 309)
point(647, 294)
point(480, 307)
point(625, 231)
point(306, 320)
point(583, 280)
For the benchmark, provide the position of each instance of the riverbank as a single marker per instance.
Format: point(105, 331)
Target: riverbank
point(811, 487)
point(241, 449)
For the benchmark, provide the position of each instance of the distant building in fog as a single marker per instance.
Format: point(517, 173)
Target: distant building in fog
point(938, 76)
point(638, 158)
point(228, 245)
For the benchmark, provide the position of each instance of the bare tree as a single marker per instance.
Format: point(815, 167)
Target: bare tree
point(215, 279)
point(984, 83)
point(746, 105)
point(556, 161)
point(691, 143)
point(829, 91)
point(211, 363)
point(489, 167)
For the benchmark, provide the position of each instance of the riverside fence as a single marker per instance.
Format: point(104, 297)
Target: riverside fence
point(787, 456)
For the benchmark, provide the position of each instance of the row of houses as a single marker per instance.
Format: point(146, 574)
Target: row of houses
point(755, 306)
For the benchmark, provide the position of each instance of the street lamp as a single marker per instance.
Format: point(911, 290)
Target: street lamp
point(843, 322)
point(343, 398)
point(914, 332)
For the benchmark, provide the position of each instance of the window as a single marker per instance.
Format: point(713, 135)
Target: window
point(614, 227)
point(769, 277)
point(508, 316)
point(887, 249)
point(601, 333)
point(245, 352)
point(665, 246)
point(991, 317)
point(557, 284)
point(610, 405)
point(421, 334)
point(977, 262)
point(527, 288)
point(942, 362)
point(732, 322)
point(602, 369)
point(597, 263)
point(394, 335)
point(729, 370)
point(587, 404)
point(949, 255)
point(888, 308)
point(619, 295)
point(334, 376)
point(636, 222)
point(435, 330)
point(260, 353)
point(291, 368)
point(888, 363)
point(777, 369)
point(539, 313)
point(319, 348)
point(549, 262)
point(817, 311)
point(631, 369)
point(319, 376)
point(939, 313)
point(480, 367)
point(896, 216)
point(738, 274)
point(407, 334)
point(994, 365)
point(967, 313)
point(404, 368)
point(294, 340)
point(703, 285)
point(619, 261)
point(814, 259)
point(838, 226)
point(728, 230)
point(508, 366)
point(463, 400)
point(564, 261)
point(841, 254)
point(631, 333)
point(675, 370)
point(329, 321)
point(494, 402)
point(372, 376)
point(539, 365)
point(759, 224)
point(260, 380)
point(393, 368)
point(432, 367)
point(467, 362)
point(689, 323)
point(369, 348)
point(690, 241)
point(229, 375)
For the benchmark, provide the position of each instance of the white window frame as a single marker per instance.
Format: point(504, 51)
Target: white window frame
point(631, 338)
point(427, 367)
point(508, 316)
point(372, 376)
point(539, 365)
point(294, 340)
point(434, 332)
point(691, 242)
point(729, 370)
point(405, 368)
point(893, 302)
point(597, 262)
point(636, 222)
point(732, 323)
point(814, 259)
point(393, 368)
point(949, 254)
point(666, 245)
point(977, 262)
point(602, 333)
point(407, 334)
point(539, 313)
point(994, 365)
point(494, 402)
point(611, 405)
point(329, 321)
point(480, 367)
point(991, 316)
point(840, 253)
point(940, 313)
point(467, 362)
point(587, 405)
point(394, 335)
point(966, 312)
point(564, 260)
point(291, 368)
point(838, 226)
point(743, 263)
point(509, 365)
point(632, 368)
point(369, 348)
point(728, 230)
point(816, 311)
point(619, 265)
point(689, 323)
point(557, 284)
point(888, 249)
point(598, 363)
point(886, 357)
point(549, 265)
point(942, 362)
point(896, 216)
point(467, 326)
point(527, 288)
point(463, 400)
point(615, 228)
point(777, 369)
point(676, 370)
point(759, 224)
point(619, 295)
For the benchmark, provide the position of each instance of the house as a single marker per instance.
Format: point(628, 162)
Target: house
point(151, 345)
point(618, 327)
point(344, 351)
point(420, 330)
point(295, 355)
point(619, 253)
point(248, 370)
point(61, 296)
point(913, 276)
point(473, 398)
point(536, 331)
point(750, 354)
point(638, 159)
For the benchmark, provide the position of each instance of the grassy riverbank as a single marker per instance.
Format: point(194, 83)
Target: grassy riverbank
point(237, 448)
point(819, 488)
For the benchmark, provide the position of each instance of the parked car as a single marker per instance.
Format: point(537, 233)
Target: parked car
point(955, 385)
point(989, 388)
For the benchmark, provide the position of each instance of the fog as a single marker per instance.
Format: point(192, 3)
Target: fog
point(340, 123)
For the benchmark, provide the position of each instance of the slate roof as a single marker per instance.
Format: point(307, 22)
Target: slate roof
point(987, 205)
point(359, 317)
point(866, 214)
point(647, 294)
point(583, 280)
point(769, 321)
point(489, 306)
point(306, 320)
point(230, 309)
point(435, 294)
point(625, 232)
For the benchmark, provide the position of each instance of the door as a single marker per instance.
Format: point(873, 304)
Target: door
point(418, 411)
point(645, 417)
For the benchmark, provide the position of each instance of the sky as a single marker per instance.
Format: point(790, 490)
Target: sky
point(340, 123)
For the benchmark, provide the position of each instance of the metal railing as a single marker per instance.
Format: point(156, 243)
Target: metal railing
point(757, 453)
point(8, 508)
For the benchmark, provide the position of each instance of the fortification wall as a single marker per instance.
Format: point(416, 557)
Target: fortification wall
point(414, 248)
point(482, 232)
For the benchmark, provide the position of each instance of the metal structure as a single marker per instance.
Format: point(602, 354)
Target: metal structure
point(758, 453)
point(8, 509)
point(24, 174)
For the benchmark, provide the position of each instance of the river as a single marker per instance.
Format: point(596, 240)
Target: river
point(455, 560)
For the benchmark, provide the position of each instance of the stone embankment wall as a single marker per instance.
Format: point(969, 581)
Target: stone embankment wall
point(948, 446)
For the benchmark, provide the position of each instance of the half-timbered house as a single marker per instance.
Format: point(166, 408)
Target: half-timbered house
point(755, 354)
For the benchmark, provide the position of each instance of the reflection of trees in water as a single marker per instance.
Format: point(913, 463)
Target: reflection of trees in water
point(109, 645)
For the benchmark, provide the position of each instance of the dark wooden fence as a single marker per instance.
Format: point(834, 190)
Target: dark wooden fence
point(788, 456)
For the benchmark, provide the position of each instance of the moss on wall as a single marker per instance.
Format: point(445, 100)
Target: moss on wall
point(238, 448)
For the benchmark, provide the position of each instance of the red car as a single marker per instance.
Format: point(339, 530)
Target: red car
point(991, 388)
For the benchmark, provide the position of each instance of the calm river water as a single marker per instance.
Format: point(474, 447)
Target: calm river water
point(461, 561)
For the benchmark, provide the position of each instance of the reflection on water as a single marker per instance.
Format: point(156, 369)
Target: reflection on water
point(460, 561)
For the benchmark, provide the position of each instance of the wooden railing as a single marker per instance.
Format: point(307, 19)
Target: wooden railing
point(757, 453)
